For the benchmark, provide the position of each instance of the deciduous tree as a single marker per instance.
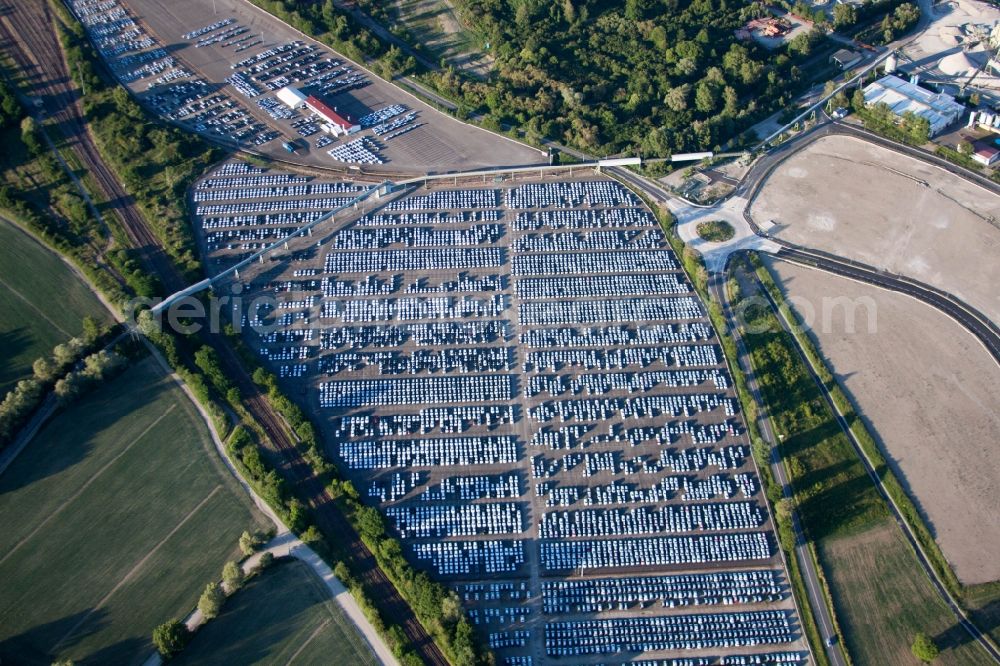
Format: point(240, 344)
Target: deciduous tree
point(211, 600)
point(171, 637)
point(924, 648)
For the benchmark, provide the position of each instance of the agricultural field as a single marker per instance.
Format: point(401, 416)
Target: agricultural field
point(939, 431)
point(936, 228)
point(42, 303)
point(882, 598)
point(286, 616)
point(115, 515)
point(435, 25)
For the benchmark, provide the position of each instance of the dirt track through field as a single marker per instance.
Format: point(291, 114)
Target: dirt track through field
point(313, 635)
point(134, 570)
point(80, 491)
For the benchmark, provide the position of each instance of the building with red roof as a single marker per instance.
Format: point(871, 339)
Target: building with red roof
point(336, 123)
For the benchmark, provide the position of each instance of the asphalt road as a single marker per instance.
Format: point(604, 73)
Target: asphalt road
point(974, 321)
point(802, 554)
point(981, 326)
point(873, 475)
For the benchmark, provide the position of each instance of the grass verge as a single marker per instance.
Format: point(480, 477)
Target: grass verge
point(841, 507)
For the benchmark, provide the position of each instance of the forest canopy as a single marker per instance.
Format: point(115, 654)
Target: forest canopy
point(660, 76)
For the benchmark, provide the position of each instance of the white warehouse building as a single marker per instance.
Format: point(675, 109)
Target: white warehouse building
point(291, 97)
point(940, 109)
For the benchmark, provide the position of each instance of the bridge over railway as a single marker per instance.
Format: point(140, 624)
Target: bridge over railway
point(984, 329)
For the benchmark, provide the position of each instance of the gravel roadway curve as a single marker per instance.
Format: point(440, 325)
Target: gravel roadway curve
point(27, 31)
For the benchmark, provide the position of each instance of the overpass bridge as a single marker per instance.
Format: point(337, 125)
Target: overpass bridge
point(386, 187)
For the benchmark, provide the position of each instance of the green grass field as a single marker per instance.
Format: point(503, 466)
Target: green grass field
point(42, 303)
point(286, 616)
point(115, 516)
point(882, 599)
point(881, 595)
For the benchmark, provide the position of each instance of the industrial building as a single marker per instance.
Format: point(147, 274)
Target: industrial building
point(291, 97)
point(333, 122)
point(940, 109)
point(845, 59)
point(984, 153)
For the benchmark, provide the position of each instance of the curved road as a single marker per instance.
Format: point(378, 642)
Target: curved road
point(981, 326)
point(973, 320)
point(963, 619)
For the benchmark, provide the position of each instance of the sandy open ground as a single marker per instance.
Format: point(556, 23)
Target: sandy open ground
point(931, 394)
point(860, 201)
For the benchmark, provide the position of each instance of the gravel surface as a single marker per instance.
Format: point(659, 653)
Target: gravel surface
point(932, 396)
point(871, 204)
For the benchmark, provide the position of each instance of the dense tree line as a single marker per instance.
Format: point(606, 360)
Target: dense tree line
point(655, 76)
point(10, 109)
point(56, 372)
point(322, 21)
point(660, 76)
point(155, 162)
point(52, 207)
point(436, 608)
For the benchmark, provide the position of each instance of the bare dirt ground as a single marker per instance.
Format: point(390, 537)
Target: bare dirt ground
point(931, 395)
point(436, 25)
point(868, 203)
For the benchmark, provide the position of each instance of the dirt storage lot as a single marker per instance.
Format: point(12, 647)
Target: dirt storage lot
point(871, 204)
point(932, 396)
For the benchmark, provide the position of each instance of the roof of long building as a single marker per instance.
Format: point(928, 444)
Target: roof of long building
point(902, 96)
point(329, 114)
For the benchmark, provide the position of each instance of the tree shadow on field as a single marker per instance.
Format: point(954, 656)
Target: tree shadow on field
point(836, 494)
point(67, 446)
point(245, 632)
point(33, 646)
point(986, 620)
point(126, 651)
point(12, 343)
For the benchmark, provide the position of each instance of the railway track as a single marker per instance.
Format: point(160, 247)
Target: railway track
point(28, 33)
point(28, 29)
